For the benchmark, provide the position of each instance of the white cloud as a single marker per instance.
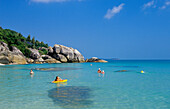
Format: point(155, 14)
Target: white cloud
point(115, 10)
point(149, 4)
point(48, 1)
point(165, 5)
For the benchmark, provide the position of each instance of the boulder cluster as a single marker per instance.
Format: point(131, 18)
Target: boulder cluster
point(95, 59)
point(56, 54)
point(11, 56)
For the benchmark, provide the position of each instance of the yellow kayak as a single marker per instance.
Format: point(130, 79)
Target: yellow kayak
point(142, 71)
point(64, 80)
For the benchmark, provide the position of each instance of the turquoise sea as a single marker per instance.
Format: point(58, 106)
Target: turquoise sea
point(122, 87)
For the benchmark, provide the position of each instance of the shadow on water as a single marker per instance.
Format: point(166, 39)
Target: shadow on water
point(126, 66)
point(57, 69)
point(122, 71)
point(71, 97)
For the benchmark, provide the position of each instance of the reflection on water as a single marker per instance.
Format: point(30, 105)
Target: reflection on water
point(56, 69)
point(126, 66)
point(71, 97)
point(122, 71)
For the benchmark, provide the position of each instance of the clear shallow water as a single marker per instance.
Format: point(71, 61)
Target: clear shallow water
point(85, 89)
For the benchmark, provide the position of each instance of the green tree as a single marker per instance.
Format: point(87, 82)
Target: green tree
point(33, 40)
point(28, 38)
point(1, 28)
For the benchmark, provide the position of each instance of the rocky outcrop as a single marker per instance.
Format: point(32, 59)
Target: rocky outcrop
point(14, 56)
point(57, 54)
point(95, 59)
point(34, 53)
point(65, 54)
point(15, 50)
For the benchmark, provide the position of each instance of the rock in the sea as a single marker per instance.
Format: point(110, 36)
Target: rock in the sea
point(95, 59)
point(52, 60)
point(78, 56)
point(65, 54)
point(34, 53)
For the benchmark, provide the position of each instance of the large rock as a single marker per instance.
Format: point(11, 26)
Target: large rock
point(15, 50)
point(50, 50)
point(78, 56)
point(39, 61)
point(65, 54)
point(45, 57)
point(52, 60)
point(18, 59)
point(3, 47)
point(34, 53)
point(56, 49)
point(4, 60)
point(95, 59)
point(11, 57)
point(60, 57)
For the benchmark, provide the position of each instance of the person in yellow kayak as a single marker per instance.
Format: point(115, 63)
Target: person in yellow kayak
point(57, 79)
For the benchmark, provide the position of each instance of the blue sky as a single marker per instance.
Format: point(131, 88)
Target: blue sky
point(125, 29)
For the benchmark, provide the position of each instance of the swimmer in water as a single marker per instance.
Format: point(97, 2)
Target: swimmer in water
point(103, 73)
point(99, 71)
point(31, 72)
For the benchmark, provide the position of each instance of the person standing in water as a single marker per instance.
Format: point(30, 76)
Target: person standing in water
point(99, 71)
point(103, 73)
point(31, 72)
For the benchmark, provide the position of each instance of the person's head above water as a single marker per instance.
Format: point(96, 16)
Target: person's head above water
point(99, 68)
point(57, 77)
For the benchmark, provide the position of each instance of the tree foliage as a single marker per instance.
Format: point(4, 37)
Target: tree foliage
point(12, 38)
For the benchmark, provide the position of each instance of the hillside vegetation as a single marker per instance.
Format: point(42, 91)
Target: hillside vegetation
point(13, 38)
